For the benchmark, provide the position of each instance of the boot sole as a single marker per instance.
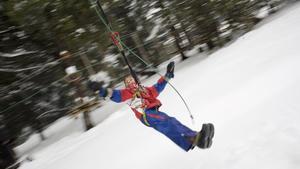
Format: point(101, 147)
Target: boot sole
point(209, 132)
point(211, 135)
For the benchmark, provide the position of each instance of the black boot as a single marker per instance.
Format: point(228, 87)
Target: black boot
point(204, 137)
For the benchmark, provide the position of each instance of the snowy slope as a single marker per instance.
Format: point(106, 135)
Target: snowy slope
point(250, 90)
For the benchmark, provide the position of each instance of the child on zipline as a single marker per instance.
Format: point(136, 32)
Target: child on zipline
point(144, 103)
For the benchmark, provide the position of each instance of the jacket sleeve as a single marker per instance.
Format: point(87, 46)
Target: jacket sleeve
point(159, 86)
point(120, 95)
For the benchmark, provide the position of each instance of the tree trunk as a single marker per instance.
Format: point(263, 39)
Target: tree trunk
point(172, 29)
point(184, 29)
point(75, 81)
point(188, 37)
point(7, 156)
point(210, 45)
point(86, 62)
point(175, 34)
point(158, 47)
point(87, 120)
point(139, 43)
point(86, 116)
point(39, 128)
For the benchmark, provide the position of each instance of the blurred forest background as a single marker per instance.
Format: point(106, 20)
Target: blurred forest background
point(34, 91)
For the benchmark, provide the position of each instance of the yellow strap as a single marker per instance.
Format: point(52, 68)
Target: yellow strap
point(145, 119)
point(136, 93)
point(196, 140)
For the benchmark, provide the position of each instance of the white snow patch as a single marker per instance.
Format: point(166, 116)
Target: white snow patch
point(101, 76)
point(155, 30)
point(80, 30)
point(263, 12)
point(111, 59)
point(151, 12)
point(16, 53)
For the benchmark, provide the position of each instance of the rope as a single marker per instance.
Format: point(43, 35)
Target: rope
point(106, 23)
point(115, 37)
point(42, 69)
point(39, 71)
point(10, 107)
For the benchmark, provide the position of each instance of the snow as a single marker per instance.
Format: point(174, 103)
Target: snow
point(195, 52)
point(151, 12)
point(133, 3)
point(29, 68)
point(101, 76)
point(262, 13)
point(71, 70)
point(20, 5)
point(18, 70)
point(80, 31)
point(111, 59)
point(155, 30)
point(19, 52)
point(250, 90)
point(170, 40)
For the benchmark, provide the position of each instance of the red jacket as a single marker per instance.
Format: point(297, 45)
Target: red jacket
point(148, 96)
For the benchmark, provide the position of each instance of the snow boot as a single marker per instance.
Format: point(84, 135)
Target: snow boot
point(204, 137)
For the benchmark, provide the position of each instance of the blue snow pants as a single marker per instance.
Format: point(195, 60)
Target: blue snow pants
point(170, 127)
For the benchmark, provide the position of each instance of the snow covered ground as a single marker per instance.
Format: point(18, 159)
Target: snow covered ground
point(250, 90)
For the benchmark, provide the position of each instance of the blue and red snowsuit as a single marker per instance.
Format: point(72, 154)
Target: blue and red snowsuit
point(152, 117)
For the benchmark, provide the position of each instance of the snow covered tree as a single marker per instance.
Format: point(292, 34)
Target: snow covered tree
point(27, 71)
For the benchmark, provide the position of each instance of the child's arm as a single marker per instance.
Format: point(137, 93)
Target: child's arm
point(160, 85)
point(162, 82)
point(115, 95)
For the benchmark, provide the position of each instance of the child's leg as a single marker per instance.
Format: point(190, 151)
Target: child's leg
point(171, 127)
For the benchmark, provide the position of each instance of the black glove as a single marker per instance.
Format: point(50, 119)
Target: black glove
point(94, 86)
point(170, 70)
point(103, 92)
point(97, 86)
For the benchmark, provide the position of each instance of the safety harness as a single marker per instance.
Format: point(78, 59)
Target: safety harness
point(141, 115)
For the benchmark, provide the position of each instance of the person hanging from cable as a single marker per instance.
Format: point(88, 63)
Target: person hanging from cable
point(144, 103)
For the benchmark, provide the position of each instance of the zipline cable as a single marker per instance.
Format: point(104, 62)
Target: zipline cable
point(40, 90)
point(115, 37)
point(39, 71)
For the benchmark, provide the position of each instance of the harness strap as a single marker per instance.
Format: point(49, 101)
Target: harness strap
point(145, 119)
point(141, 116)
point(138, 114)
